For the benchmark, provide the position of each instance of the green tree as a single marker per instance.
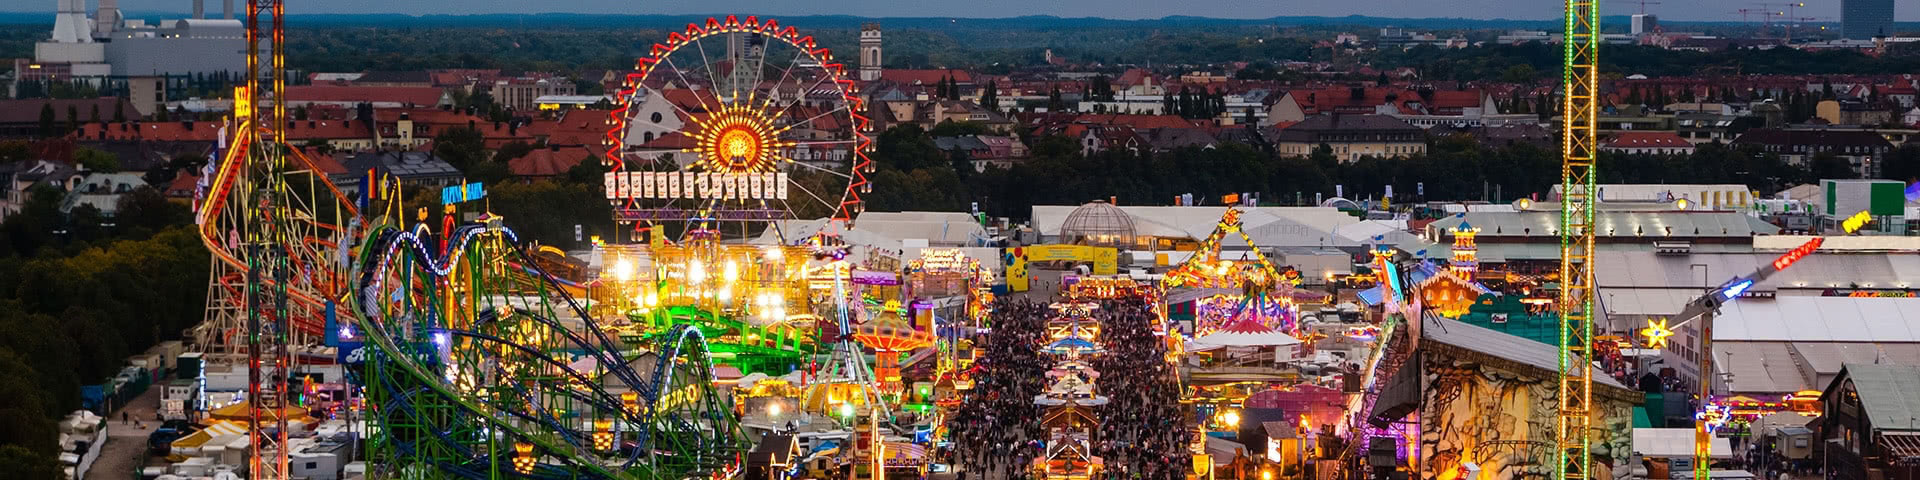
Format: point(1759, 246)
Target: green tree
point(1826, 165)
point(14, 151)
point(548, 210)
point(146, 208)
point(120, 112)
point(24, 462)
point(991, 98)
point(589, 172)
point(46, 121)
point(96, 160)
point(949, 128)
point(464, 148)
point(906, 147)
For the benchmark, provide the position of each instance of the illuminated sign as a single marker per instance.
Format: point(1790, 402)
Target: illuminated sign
point(943, 260)
point(1853, 223)
point(462, 193)
point(696, 185)
point(242, 101)
point(1867, 293)
point(1798, 253)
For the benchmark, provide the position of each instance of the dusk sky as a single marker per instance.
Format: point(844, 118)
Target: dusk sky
point(1712, 10)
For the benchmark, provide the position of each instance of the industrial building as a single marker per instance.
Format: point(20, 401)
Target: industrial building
point(1865, 19)
point(146, 62)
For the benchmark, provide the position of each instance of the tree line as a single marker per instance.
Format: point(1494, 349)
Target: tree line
point(913, 174)
point(79, 292)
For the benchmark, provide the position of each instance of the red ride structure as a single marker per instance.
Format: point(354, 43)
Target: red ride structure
point(274, 225)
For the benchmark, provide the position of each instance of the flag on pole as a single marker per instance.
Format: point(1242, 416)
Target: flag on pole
point(206, 175)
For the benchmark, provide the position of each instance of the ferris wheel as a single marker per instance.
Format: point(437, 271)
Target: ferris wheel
point(735, 120)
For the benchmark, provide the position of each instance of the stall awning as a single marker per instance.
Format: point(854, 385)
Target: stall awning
point(1674, 443)
point(1903, 445)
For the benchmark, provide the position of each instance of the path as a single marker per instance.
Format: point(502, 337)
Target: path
point(127, 443)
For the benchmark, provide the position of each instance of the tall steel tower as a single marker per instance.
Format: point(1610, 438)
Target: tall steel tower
point(1578, 196)
point(266, 242)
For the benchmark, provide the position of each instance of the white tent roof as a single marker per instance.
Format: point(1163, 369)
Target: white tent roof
point(1228, 338)
point(1199, 222)
point(1820, 319)
point(1674, 443)
point(887, 230)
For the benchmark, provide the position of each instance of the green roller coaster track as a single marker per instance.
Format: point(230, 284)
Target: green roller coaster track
point(471, 372)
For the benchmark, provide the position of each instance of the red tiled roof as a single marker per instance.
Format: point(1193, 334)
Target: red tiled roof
point(427, 116)
point(548, 162)
point(328, 164)
point(924, 77)
point(672, 140)
point(690, 100)
point(1648, 140)
point(1141, 121)
point(327, 130)
point(183, 184)
point(423, 96)
point(461, 77)
point(152, 131)
point(575, 127)
point(1323, 100)
point(28, 110)
point(1456, 99)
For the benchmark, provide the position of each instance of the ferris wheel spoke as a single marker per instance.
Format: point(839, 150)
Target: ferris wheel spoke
point(802, 95)
point(760, 69)
point(831, 206)
point(689, 84)
point(789, 70)
point(712, 80)
point(827, 170)
point(810, 120)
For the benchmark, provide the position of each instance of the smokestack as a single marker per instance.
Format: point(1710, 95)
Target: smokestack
point(107, 18)
point(70, 24)
point(226, 9)
point(199, 9)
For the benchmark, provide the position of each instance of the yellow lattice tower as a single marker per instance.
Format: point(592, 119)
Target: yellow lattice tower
point(1579, 115)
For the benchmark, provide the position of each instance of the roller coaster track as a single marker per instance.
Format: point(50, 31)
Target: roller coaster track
point(465, 369)
point(225, 215)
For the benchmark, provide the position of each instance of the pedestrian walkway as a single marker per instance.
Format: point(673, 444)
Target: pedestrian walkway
point(127, 441)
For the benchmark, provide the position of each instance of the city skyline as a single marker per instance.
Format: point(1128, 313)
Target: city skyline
point(1707, 10)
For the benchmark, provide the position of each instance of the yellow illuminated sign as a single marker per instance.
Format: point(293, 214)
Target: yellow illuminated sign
point(1657, 333)
point(242, 103)
point(1853, 223)
point(1105, 260)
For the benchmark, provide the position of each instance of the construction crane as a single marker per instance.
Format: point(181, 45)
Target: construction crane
point(1766, 16)
point(1643, 5)
point(1580, 116)
point(1786, 12)
point(1796, 24)
point(1704, 308)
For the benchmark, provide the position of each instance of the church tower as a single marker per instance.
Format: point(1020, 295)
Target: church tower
point(869, 52)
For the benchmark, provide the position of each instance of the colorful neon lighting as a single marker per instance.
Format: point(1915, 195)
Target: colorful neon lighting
point(1657, 333)
point(1798, 253)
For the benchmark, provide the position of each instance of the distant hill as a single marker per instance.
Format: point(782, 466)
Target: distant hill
point(580, 20)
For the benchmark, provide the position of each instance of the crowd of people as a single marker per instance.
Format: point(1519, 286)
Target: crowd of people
point(1144, 430)
point(996, 429)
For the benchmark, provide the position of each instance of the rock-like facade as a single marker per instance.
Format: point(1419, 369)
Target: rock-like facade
point(1500, 414)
